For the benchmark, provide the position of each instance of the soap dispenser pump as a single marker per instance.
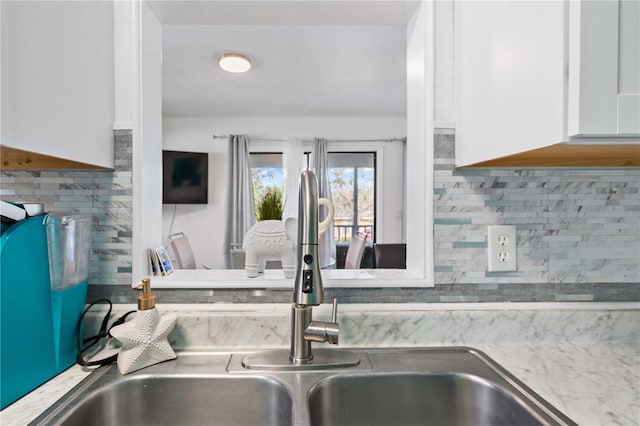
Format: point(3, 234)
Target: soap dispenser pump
point(144, 340)
point(147, 300)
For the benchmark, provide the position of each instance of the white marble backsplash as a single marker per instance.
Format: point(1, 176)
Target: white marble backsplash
point(380, 325)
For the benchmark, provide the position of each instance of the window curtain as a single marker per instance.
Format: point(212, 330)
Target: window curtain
point(294, 164)
point(319, 164)
point(241, 207)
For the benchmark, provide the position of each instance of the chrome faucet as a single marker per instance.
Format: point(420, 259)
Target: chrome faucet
point(307, 293)
point(308, 290)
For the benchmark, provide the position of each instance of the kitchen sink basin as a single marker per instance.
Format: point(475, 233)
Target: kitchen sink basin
point(171, 400)
point(415, 399)
point(415, 386)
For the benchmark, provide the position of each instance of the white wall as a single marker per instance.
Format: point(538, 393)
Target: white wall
point(204, 224)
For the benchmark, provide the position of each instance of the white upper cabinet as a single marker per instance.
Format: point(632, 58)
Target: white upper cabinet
point(58, 80)
point(604, 68)
point(508, 83)
point(533, 77)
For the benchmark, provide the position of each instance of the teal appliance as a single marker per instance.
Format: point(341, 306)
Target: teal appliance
point(43, 288)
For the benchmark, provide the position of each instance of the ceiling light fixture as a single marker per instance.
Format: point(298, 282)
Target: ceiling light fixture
point(234, 62)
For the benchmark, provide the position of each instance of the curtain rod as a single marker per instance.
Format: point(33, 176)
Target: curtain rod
point(311, 140)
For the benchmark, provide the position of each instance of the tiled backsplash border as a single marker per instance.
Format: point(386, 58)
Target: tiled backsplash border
point(578, 232)
point(441, 293)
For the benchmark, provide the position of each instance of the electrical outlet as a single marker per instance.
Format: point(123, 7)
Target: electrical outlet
point(501, 248)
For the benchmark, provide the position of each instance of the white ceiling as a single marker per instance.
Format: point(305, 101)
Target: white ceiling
point(309, 58)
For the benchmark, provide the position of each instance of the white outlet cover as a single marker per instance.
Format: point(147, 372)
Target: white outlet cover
point(501, 248)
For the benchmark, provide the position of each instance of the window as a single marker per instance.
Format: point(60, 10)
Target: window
point(352, 177)
point(267, 175)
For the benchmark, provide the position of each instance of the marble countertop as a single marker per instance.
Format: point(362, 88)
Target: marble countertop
point(584, 362)
point(30, 406)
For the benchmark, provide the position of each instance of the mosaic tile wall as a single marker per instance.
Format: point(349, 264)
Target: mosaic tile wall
point(573, 225)
point(104, 194)
point(578, 233)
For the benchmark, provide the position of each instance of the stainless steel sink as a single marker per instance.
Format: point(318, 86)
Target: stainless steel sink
point(170, 400)
point(415, 399)
point(194, 389)
point(436, 386)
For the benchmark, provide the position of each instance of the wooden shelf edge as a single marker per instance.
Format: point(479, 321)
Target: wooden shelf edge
point(18, 159)
point(570, 155)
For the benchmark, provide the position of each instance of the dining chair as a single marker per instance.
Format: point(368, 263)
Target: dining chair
point(181, 250)
point(355, 251)
point(390, 256)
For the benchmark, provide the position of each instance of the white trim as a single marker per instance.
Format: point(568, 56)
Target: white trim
point(596, 140)
point(138, 264)
point(419, 184)
point(430, 82)
point(123, 125)
point(449, 124)
point(274, 279)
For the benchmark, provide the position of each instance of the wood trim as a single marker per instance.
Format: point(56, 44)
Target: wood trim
point(18, 159)
point(571, 155)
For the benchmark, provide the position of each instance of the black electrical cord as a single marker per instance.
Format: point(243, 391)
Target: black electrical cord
point(89, 342)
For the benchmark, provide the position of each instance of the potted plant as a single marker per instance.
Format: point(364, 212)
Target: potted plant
point(270, 205)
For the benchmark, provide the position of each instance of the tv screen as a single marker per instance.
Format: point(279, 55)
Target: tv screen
point(185, 177)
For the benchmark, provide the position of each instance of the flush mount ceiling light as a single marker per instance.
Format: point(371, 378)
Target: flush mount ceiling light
point(234, 62)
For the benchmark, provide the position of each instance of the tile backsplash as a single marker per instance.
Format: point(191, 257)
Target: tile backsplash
point(578, 232)
point(573, 225)
point(106, 195)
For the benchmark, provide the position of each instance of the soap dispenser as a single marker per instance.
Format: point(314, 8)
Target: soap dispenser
point(144, 339)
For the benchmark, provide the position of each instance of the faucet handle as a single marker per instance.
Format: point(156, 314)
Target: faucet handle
point(322, 331)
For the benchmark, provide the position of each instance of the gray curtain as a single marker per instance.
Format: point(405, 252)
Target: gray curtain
point(241, 207)
point(294, 164)
point(319, 164)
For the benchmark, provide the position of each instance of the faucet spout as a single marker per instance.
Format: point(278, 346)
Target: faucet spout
point(323, 331)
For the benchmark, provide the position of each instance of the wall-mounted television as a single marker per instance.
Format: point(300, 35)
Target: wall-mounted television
point(185, 177)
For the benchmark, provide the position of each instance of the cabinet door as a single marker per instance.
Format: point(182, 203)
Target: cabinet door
point(509, 67)
point(58, 79)
point(604, 68)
